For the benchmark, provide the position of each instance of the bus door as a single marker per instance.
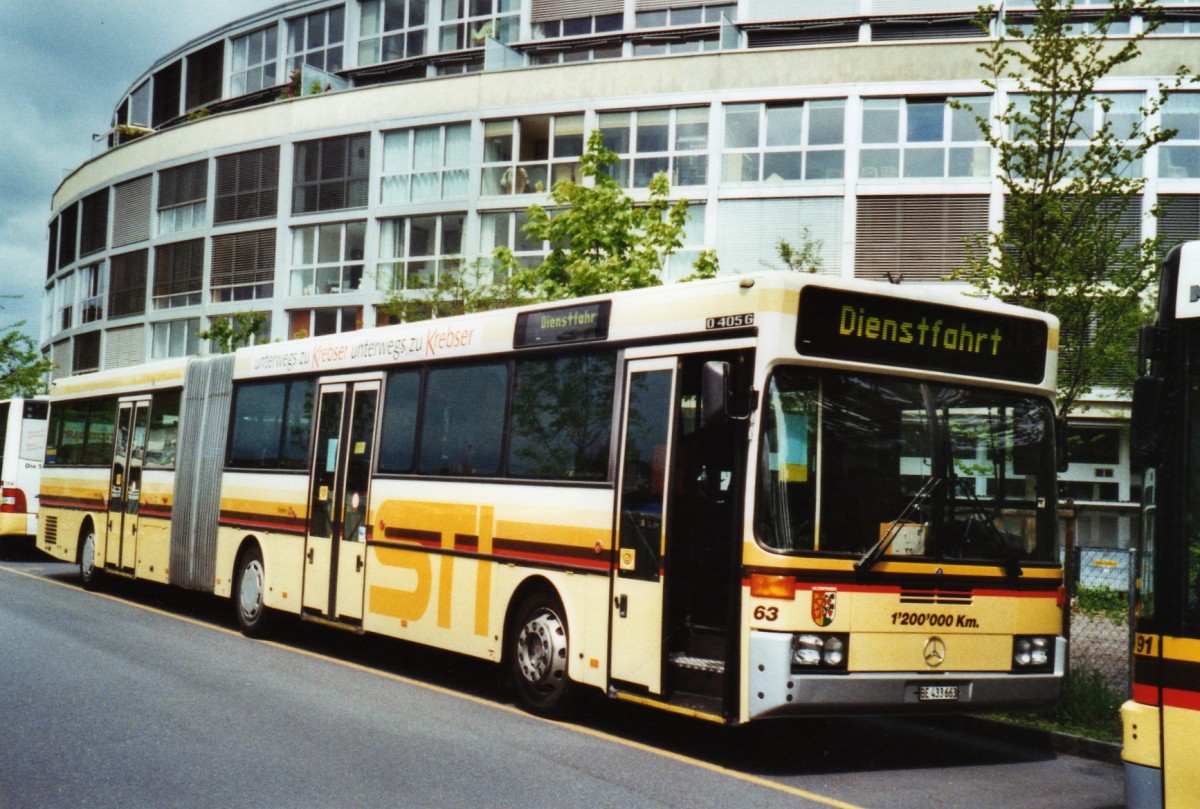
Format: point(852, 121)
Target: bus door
point(125, 484)
point(637, 605)
point(338, 530)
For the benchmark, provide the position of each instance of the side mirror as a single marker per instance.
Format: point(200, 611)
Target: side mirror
point(714, 393)
point(1146, 429)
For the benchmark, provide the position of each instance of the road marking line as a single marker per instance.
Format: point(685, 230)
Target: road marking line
point(598, 734)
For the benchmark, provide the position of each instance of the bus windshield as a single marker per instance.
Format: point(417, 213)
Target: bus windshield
point(864, 465)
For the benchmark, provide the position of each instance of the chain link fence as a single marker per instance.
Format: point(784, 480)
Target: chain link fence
point(1101, 587)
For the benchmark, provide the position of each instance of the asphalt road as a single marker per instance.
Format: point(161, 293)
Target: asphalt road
point(140, 696)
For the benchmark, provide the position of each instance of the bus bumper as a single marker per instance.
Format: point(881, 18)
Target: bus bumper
point(1143, 787)
point(18, 525)
point(776, 690)
point(1141, 753)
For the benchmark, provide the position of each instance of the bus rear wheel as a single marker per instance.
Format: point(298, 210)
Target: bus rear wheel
point(89, 574)
point(250, 586)
point(538, 654)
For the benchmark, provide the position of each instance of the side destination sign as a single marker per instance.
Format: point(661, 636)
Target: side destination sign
point(566, 324)
point(839, 324)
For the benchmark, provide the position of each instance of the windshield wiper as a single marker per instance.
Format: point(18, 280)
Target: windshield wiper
point(879, 548)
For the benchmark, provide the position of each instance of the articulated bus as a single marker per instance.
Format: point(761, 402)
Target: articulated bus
point(732, 499)
point(1162, 720)
point(22, 447)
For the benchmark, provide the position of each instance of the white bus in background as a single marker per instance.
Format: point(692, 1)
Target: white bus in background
point(22, 450)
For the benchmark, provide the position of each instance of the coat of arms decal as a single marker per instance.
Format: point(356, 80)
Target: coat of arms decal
point(824, 605)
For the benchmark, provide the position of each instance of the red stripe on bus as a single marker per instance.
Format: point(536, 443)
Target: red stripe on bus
point(1175, 698)
point(896, 589)
point(1145, 694)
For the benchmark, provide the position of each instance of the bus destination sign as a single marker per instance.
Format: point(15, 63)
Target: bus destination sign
point(566, 324)
point(857, 326)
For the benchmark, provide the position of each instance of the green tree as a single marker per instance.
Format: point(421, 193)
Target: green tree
point(478, 286)
point(600, 239)
point(805, 257)
point(23, 370)
point(228, 333)
point(1061, 246)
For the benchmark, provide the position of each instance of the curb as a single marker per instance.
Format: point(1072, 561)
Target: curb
point(1042, 739)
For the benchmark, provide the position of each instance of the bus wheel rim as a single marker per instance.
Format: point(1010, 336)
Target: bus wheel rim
point(542, 650)
point(250, 590)
point(87, 560)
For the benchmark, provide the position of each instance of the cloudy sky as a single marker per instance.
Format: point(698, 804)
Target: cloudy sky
point(65, 63)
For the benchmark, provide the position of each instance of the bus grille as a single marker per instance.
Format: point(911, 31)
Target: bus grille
point(953, 597)
point(51, 522)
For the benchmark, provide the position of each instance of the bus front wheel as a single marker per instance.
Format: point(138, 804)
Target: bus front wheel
point(250, 589)
point(89, 574)
point(538, 656)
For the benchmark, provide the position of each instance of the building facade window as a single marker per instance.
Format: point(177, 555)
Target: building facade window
point(415, 251)
point(392, 29)
point(68, 235)
point(671, 141)
point(316, 40)
point(254, 60)
point(327, 259)
point(85, 353)
point(1179, 158)
point(243, 266)
point(507, 229)
point(319, 322)
point(183, 198)
point(175, 338)
point(426, 164)
point(90, 304)
point(923, 138)
point(127, 284)
point(64, 301)
point(139, 105)
point(579, 26)
point(247, 186)
point(1177, 26)
point(698, 14)
point(468, 23)
point(93, 230)
point(131, 211)
point(566, 56)
point(331, 174)
point(1123, 115)
point(656, 46)
point(916, 238)
point(782, 142)
point(529, 155)
point(178, 274)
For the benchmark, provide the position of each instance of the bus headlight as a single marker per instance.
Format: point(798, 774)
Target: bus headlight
point(818, 651)
point(1032, 653)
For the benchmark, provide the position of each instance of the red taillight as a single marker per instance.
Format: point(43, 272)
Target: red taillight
point(1062, 596)
point(12, 501)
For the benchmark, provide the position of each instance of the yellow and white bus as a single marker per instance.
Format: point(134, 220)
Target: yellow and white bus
point(1162, 718)
point(22, 447)
point(738, 498)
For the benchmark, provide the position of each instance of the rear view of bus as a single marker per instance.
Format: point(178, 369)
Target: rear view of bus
point(1162, 720)
point(22, 445)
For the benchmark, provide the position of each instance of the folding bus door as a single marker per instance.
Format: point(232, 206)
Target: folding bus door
point(125, 484)
point(336, 546)
point(637, 604)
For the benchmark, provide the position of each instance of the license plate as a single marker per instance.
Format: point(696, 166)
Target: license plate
point(929, 693)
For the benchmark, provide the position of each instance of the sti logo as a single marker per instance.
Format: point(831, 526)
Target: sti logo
point(824, 605)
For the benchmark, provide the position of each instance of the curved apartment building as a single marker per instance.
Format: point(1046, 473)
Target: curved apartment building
point(309, 161)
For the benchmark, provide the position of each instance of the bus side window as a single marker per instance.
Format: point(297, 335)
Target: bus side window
point(399, 430)
point(462, 429)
